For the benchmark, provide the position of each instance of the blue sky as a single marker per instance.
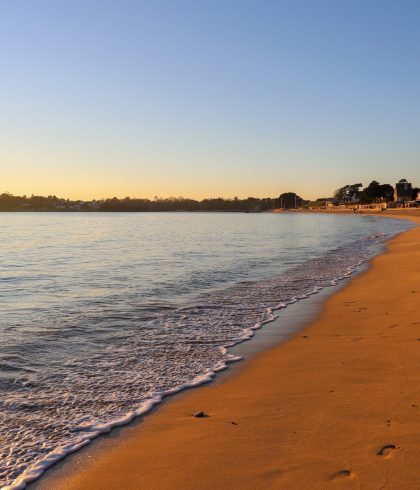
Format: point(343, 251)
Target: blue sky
point(207, 98)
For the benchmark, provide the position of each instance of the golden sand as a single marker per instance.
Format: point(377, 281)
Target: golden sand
point(337, 406)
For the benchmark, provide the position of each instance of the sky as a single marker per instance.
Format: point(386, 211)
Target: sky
point(207, 98)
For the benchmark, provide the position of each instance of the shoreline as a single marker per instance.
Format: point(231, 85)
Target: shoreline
point(295, 316)
point(61, 476)
point(287, 321)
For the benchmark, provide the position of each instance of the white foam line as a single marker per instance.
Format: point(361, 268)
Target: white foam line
point(36, 470)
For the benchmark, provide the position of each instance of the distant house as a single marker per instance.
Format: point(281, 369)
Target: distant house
point(403, 191)
point(95, 204)
point(351, 195)
point(351, 199)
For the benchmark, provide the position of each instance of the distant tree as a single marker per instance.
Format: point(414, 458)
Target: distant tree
point(290, 200)
point(376, 192)
point(340, 193)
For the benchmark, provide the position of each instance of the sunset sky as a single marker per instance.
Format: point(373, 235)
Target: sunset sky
point(103, 98)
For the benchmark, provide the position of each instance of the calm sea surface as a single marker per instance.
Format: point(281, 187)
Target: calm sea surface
point(101, 314)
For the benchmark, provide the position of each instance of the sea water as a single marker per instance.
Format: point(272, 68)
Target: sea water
point(101, 315)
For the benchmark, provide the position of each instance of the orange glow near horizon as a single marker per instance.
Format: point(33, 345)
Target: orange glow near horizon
point(90, 182)
point(88, 187)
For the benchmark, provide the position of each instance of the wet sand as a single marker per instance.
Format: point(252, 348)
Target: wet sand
point(337, 406)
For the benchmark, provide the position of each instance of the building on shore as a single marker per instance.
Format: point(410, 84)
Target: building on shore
point(403, 191)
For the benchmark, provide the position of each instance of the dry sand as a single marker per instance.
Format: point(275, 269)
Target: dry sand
point(337, 406)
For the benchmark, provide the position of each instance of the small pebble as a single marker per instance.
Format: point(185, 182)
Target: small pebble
point(200, 415)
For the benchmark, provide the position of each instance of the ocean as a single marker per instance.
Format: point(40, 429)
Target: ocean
point(103, 314)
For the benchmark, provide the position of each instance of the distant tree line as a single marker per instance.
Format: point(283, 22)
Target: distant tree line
point(9, 202)
point(374, 192)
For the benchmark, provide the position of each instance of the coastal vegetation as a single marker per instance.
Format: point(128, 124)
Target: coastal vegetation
point(348, 194)
point(374, 192)
point(370, 194)
point(9, 202)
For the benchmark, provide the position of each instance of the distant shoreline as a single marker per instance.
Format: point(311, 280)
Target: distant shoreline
point(350, 210)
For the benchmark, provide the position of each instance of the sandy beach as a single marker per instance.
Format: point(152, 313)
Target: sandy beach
point(337, 406)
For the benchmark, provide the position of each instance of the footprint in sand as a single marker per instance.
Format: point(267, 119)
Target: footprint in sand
point(387, 450)
point(342, 474)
